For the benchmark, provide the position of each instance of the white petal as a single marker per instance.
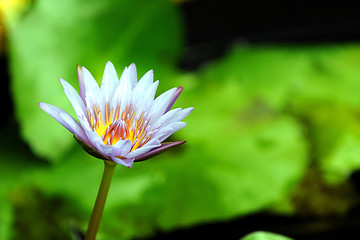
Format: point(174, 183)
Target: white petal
point(94, 138)
point(125, 162)
point(74, 98)
point(81, 83)
point(92, 91)
point(123, 92)
point(165, 132)
point(64, 119)
point(143, 100)
point(144, 149)
point(164, 119)
point(121, 148)
point(177, 125)
point(160, 104)
point(175, 96)
point(132, 75)
point(109, 81)
point(178, 116)
point(144, 83)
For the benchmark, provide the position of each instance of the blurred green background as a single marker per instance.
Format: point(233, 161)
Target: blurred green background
point(275, 130)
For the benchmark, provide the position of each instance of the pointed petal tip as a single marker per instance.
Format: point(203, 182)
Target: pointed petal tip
point(132, 69)
point(81, 82)
point(43, 106)
point(62, 81)
point(83, 69)
point(109, 63)
point(179, 89)
point(79, 70)
point(177, 92)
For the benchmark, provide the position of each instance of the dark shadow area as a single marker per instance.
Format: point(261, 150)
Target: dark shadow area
point(212, 26)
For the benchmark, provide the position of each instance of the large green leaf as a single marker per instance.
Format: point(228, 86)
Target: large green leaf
point(319, 87)
point(239, 158)
point(247, 148)
point(54, 36)
point(242, 154)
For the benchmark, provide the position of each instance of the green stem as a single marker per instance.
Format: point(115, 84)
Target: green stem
point(100, 200)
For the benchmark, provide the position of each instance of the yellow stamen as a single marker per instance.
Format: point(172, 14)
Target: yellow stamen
point(119, 126)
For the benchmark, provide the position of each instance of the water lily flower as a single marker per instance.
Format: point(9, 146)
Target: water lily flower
point(120, 121)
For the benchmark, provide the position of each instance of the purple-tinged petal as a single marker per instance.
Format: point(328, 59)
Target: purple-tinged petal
point(177, 125)
point(160, 104)
point(183, 113)
point(147, 147)
point(121, 148)
point(91, 135)
point(164, 119)
point(64, 119)
point(178, 91)
point(74, 98)
point(81, 83)
point(158, 150)
point(165, 132)
point(125, 162)
point(174, 115)
point(90, 149)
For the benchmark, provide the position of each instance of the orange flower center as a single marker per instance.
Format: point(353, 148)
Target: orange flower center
point(113, 127)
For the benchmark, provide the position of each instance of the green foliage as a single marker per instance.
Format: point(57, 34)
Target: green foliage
point(242, 156)
point(318, 86)
point(262, 115)
point(55, 36)
point(264, 236)
point(6, 217)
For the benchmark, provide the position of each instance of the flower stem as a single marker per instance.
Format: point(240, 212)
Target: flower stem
point(100, 200)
